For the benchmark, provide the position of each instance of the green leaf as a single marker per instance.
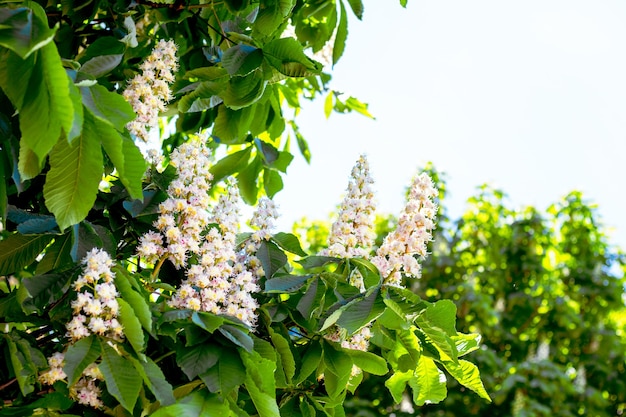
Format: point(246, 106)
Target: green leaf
point(357, 8)
point(124, 154)
point(198, 403)
point(358, 313)
point(24, 361)
point(124, 282)
point(288, 57)
point(407, 350)
point(271, 15)
point(122, 379)
point(242, 59)
point(57, 255)
point(18, 251)
point(368, 361)
point(232, 126)
point(227, 374)
point(267, 151)
point(243, 91)
point(316, 261)
point(77, 104)
point(310, 362)
point(23, 30)
point(131, 325)
point(307, 303)
point(466, 343)
point(289, 242)
point(101, 65)
point(197, 359)
point(283, 350)
point(79, 356)
point(237, 336)
point(208, 321)
point(260, 383)
point(38, 292)
point(203, 97)
point(230, 164)
point(338, 369)
point(75, 173)
point(397, 384)
point(271, 257)
point(286, 283)
point(155, 380)
point(84, 239)
point(468, 375)
point(438, 323)
point(369, 272)
point(355, 105)
point(272, 182)
point(39, 88)
point(107, 106)
point(429, 384)
point(341, 35)
point(328, 103)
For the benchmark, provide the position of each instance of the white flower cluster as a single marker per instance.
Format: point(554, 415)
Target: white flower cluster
point(218, 280)
point(184, 215)
point(95, 308)
point(149, 91)
point(85, 390)
point(396, 256)
point(352, 234)
point(218, 283)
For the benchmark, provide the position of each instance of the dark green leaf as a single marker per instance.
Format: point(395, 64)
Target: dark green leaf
point(316, 261)
point(288, 57)
point(271, 257)
point(155, 380)
point(121, 378)
point(108, 107)
point(237, 336)
point(39, 291)
point(247, 180)
point(79, 356)
point(57, 255)
point(198, 403)
point(242, 59)
point(25, 360)
point(230, 164)
point(310, 362)
point(283, 350)
point(288, 242)
point(286, 283)
point(272, 182)
point(197, 359)
point(243, 91)
point(23, 30)
point(357, 8)
point(227, 374)
point(101, 65)
point(18, 251)
point(84, 239)
point(360, 312)
point(342, 34)
point(208, 321)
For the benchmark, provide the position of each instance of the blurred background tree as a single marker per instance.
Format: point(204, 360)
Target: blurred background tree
point(545, 289)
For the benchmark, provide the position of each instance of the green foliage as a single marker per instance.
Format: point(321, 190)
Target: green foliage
point(545, 291)
point(73, 178)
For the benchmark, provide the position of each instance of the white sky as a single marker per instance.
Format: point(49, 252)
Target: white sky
point(527, 96)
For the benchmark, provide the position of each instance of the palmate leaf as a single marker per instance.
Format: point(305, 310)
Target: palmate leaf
point(39, 88)
point(428, 383)
point(75, 173)
point(155, 380)
point(227, 374)
point(197, 359)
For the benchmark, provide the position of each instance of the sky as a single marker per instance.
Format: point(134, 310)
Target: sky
point(529, 97)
